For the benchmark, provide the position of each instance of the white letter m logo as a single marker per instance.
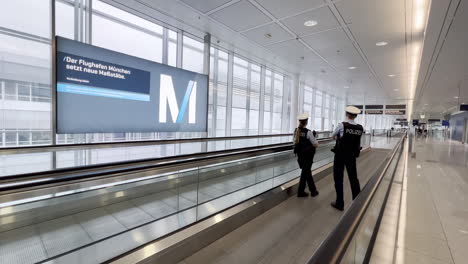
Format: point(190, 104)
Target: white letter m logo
point(167, 96)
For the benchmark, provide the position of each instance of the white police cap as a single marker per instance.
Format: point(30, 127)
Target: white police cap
point(353, 110)
point(303, 116)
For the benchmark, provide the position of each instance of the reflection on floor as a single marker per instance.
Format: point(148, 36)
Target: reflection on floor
point(432, 226)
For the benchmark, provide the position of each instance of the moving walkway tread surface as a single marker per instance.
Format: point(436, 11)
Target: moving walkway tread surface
point(290, 232)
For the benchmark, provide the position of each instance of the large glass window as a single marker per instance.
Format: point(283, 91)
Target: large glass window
point(254, 99)
point(137, 37)
point(273, 102)
point(26, 16)
point(64, 20)
point(308, 100)
point(192, 58)
point(326, 113)
point(333, 113)
point(218, 92)
point(172, 48)
point(267, 103)
point(318, 111)
point(25, 97)
point(239, 97)
point(277, 103)
point(25, 72)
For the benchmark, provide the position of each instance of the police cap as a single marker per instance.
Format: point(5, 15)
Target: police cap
point(353, 110)
point(303, 116)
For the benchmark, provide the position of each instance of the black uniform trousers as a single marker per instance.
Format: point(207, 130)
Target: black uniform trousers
point(340, 162)
point(305, 163)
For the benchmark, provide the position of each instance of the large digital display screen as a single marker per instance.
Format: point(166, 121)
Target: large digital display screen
point(103, 91)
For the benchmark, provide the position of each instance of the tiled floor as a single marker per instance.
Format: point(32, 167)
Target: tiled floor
point(433, 213)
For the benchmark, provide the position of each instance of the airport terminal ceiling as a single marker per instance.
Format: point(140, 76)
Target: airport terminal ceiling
point(369, 50)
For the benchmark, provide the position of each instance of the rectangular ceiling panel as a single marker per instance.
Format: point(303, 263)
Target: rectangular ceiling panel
point(268, 34)
point(282, 8)
point(323, 16)
point(293, 51)
point(240, 16)
point(205, 5)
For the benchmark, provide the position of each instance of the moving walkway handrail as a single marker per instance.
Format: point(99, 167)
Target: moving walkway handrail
point(12, 150)
point(334, 247)
point(135, 161)
point(117, 163)
point(15, 182)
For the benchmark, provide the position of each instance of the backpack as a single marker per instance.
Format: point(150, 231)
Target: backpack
point(304, 146)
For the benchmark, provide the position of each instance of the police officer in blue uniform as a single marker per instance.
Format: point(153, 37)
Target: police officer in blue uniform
point(304, 147)
point(347, 149)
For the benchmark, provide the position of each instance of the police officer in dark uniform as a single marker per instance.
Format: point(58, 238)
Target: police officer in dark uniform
point(347, 149)
point(304, 147)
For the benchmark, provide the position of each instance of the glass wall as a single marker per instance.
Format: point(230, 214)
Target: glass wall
point(25, 107)
point(379, 121)
point(267, 104)
point(254, 97)
point(318, 111)
point(277, 109)
point(244, 96)
point(147, 37)
point(324, 109)
point(326, 113)
point(218, 93)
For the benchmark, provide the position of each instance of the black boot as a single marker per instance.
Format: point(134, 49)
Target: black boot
point(303, 194)
point(334, 205)
point(314, 193)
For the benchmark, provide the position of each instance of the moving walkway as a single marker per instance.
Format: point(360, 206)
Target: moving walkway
point(118, 215)
point(52, 215)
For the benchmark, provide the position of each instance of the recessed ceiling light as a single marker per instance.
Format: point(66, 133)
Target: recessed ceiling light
point(310, 23)
point(346, 87)
point(456, 97)
point(352, 68)
point(395, 90)
point(425, 104)
point(381, 43)
point(391, 75)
